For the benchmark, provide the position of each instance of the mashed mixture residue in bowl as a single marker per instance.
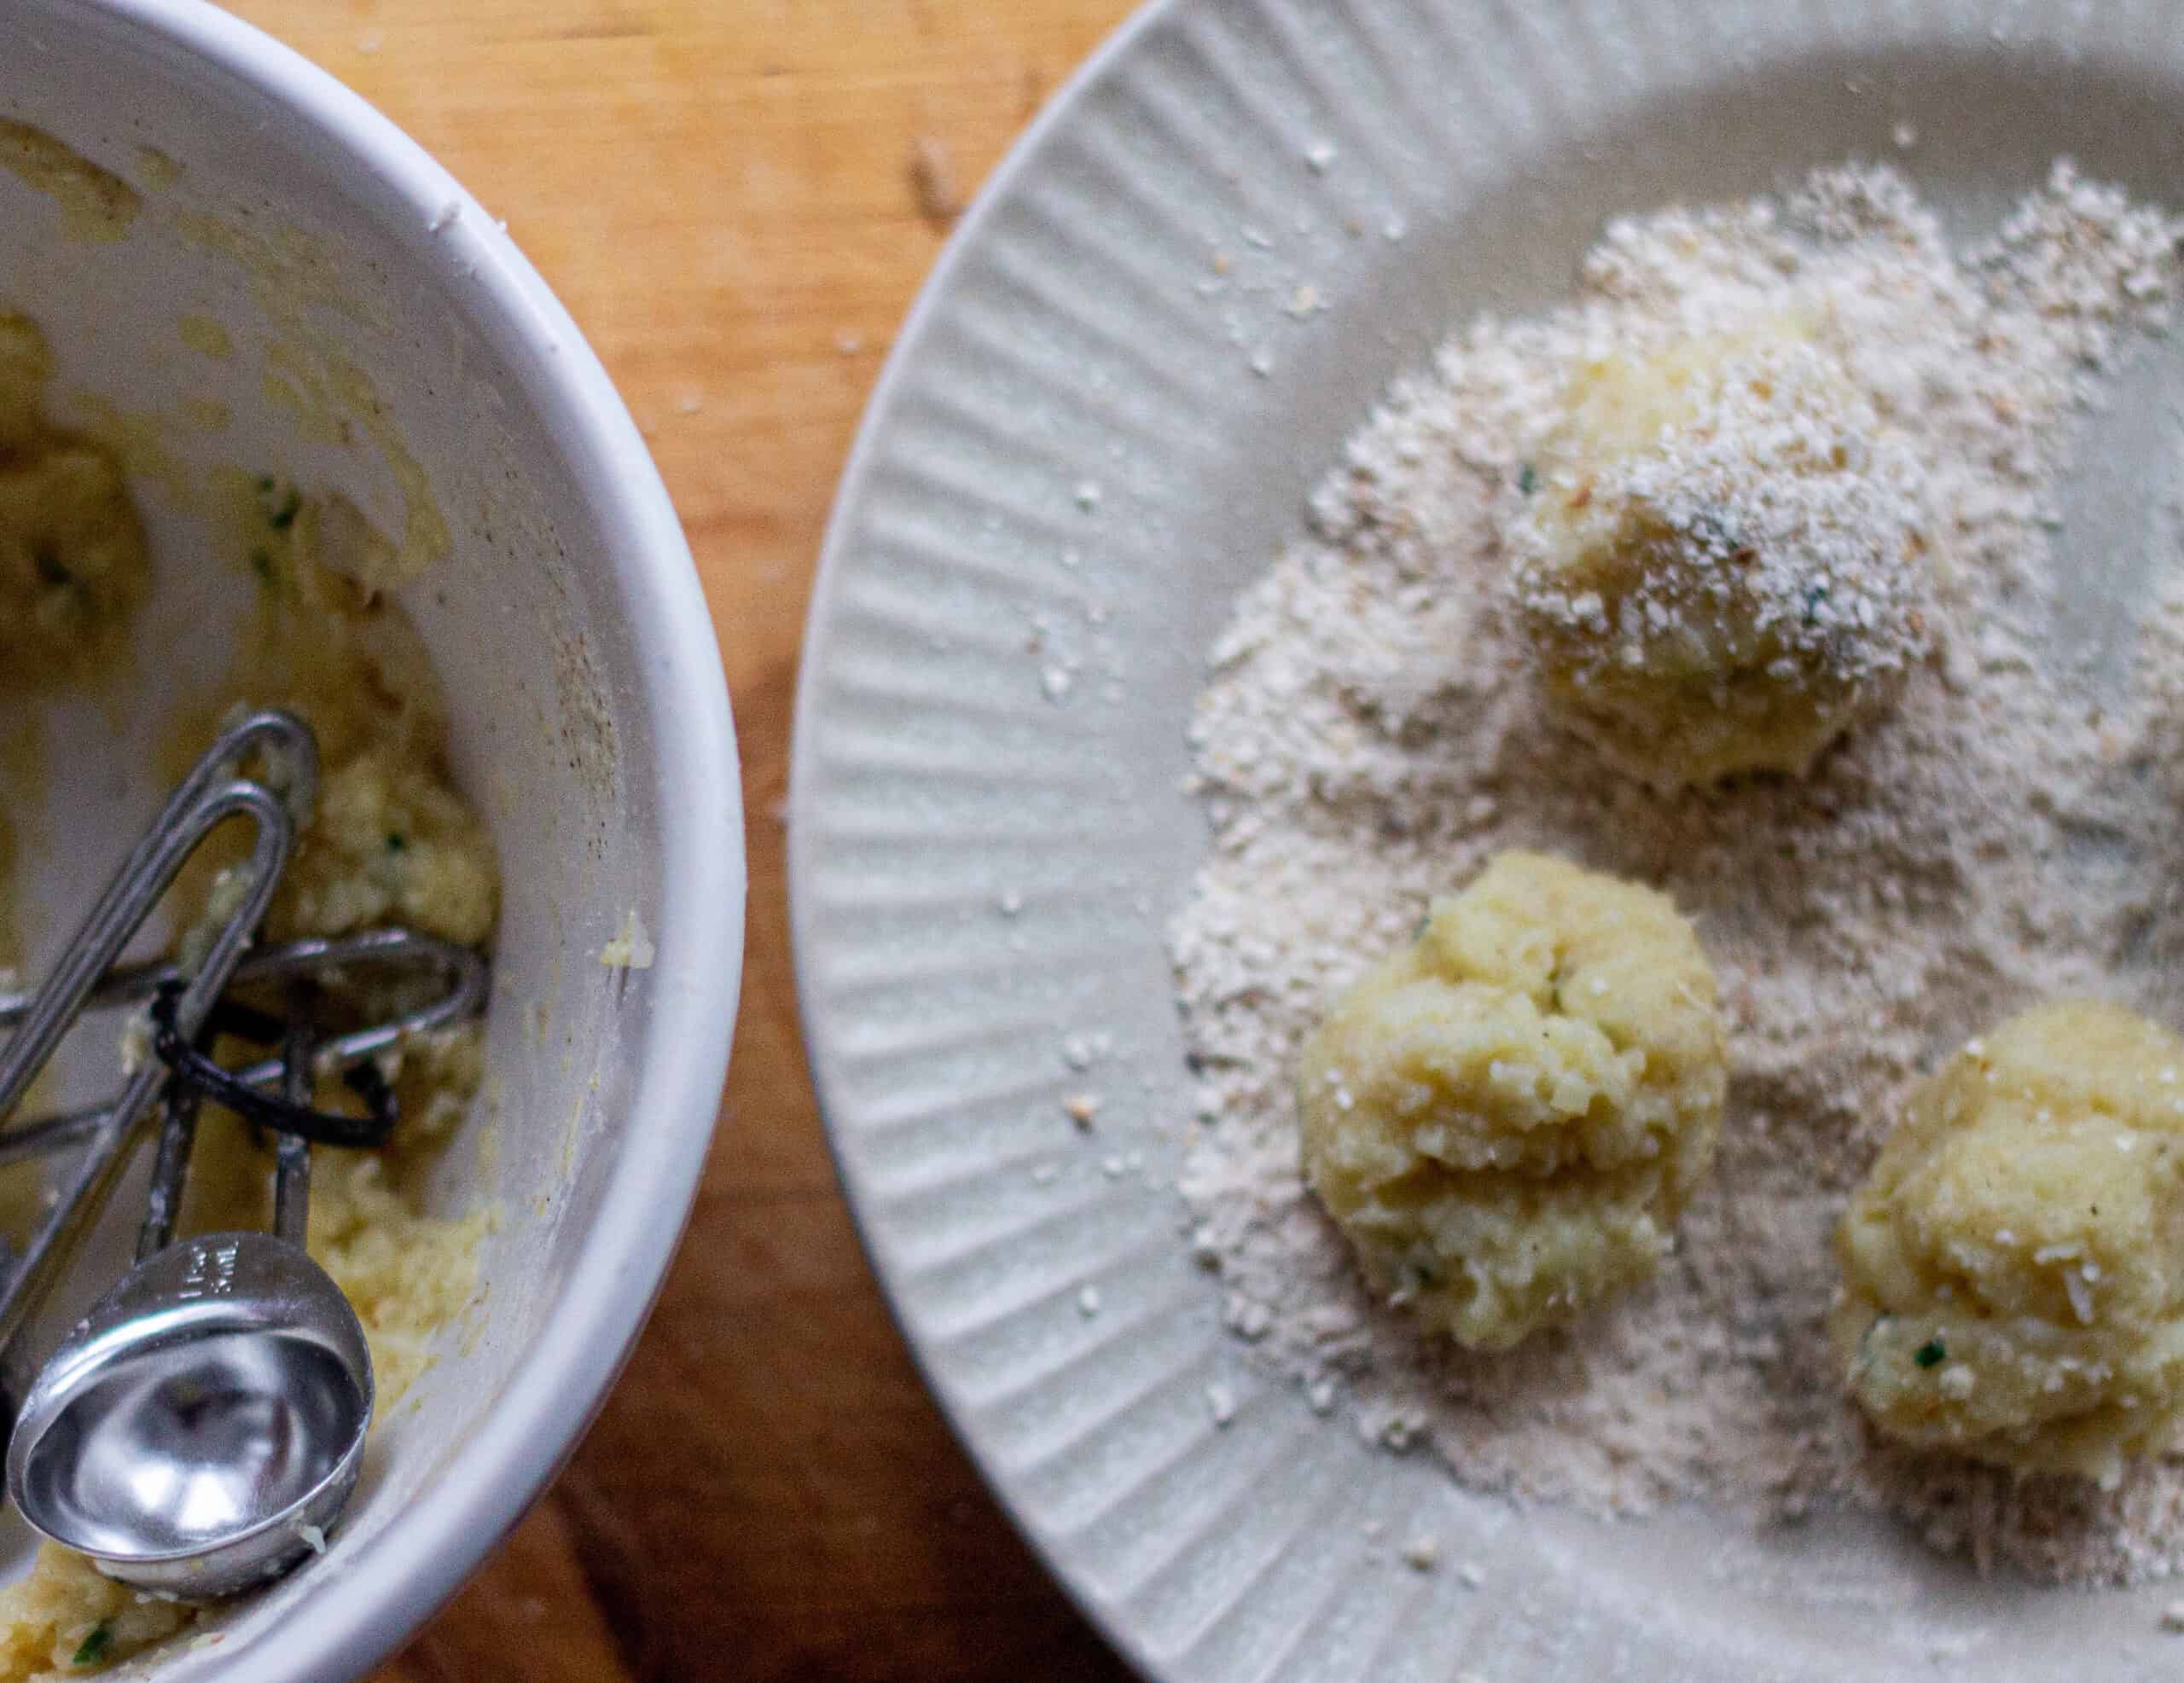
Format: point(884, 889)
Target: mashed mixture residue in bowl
point(391, 840)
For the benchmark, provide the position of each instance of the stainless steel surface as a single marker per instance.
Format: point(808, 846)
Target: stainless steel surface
point(291, 1163)
point(200, 804)
point(463, 973)
point(207, 797)
point(202, 1428)
point(178, 1134)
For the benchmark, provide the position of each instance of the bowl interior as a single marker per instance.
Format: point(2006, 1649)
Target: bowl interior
point(418, 365)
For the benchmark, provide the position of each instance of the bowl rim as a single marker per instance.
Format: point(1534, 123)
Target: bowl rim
point(399, 1577)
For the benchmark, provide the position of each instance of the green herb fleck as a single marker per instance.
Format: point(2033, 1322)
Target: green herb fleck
point(1932, 1354)
point(1424, 924)
point(280, 507)
point(1414, 1276)
point(1528, 478)
point(1814, 595)
point(265, 485)
point(261, 563)
point(396, 842)
point(96, 1646)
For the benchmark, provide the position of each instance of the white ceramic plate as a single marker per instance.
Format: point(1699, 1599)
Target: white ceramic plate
point(1074, 448)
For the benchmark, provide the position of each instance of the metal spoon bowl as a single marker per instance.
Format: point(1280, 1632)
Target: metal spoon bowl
point(200, 1430)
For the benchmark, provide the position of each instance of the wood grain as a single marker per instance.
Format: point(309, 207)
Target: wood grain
point(722, 191)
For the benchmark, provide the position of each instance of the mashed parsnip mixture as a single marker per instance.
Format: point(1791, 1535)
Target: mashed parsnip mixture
point(1505, 1117)
point(2013, 1266)
point(71, 554)
point(392, 840)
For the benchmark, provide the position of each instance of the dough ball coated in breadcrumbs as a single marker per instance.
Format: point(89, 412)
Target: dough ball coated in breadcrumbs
point(1716, 554)
point(1505, 1117)
point(2013, 1267)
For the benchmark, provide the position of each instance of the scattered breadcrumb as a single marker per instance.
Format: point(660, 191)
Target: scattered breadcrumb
point(1081, 1051)
point(933, 180)
point(1422, 1553)
point(632, 949)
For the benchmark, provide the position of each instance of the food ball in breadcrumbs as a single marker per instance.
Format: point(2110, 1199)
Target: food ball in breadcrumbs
point(1505, 1118)
point(2013, 1267)
point(1717, 552)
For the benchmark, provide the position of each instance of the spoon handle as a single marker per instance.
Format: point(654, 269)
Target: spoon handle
point(292, 1163)
point(207, 798)
point(170, 1169)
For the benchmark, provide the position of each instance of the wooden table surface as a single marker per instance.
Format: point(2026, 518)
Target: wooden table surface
point(723, 194)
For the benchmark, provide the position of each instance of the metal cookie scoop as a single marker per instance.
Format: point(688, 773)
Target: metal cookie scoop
point(201, 1429)
point(204, 1425)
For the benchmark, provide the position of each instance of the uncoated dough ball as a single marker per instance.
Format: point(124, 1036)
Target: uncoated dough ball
point(1716, 554)
point(1505, 1118)
point(2013, 1267)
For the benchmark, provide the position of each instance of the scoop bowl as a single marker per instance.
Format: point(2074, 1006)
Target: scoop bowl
point(202, 1428)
